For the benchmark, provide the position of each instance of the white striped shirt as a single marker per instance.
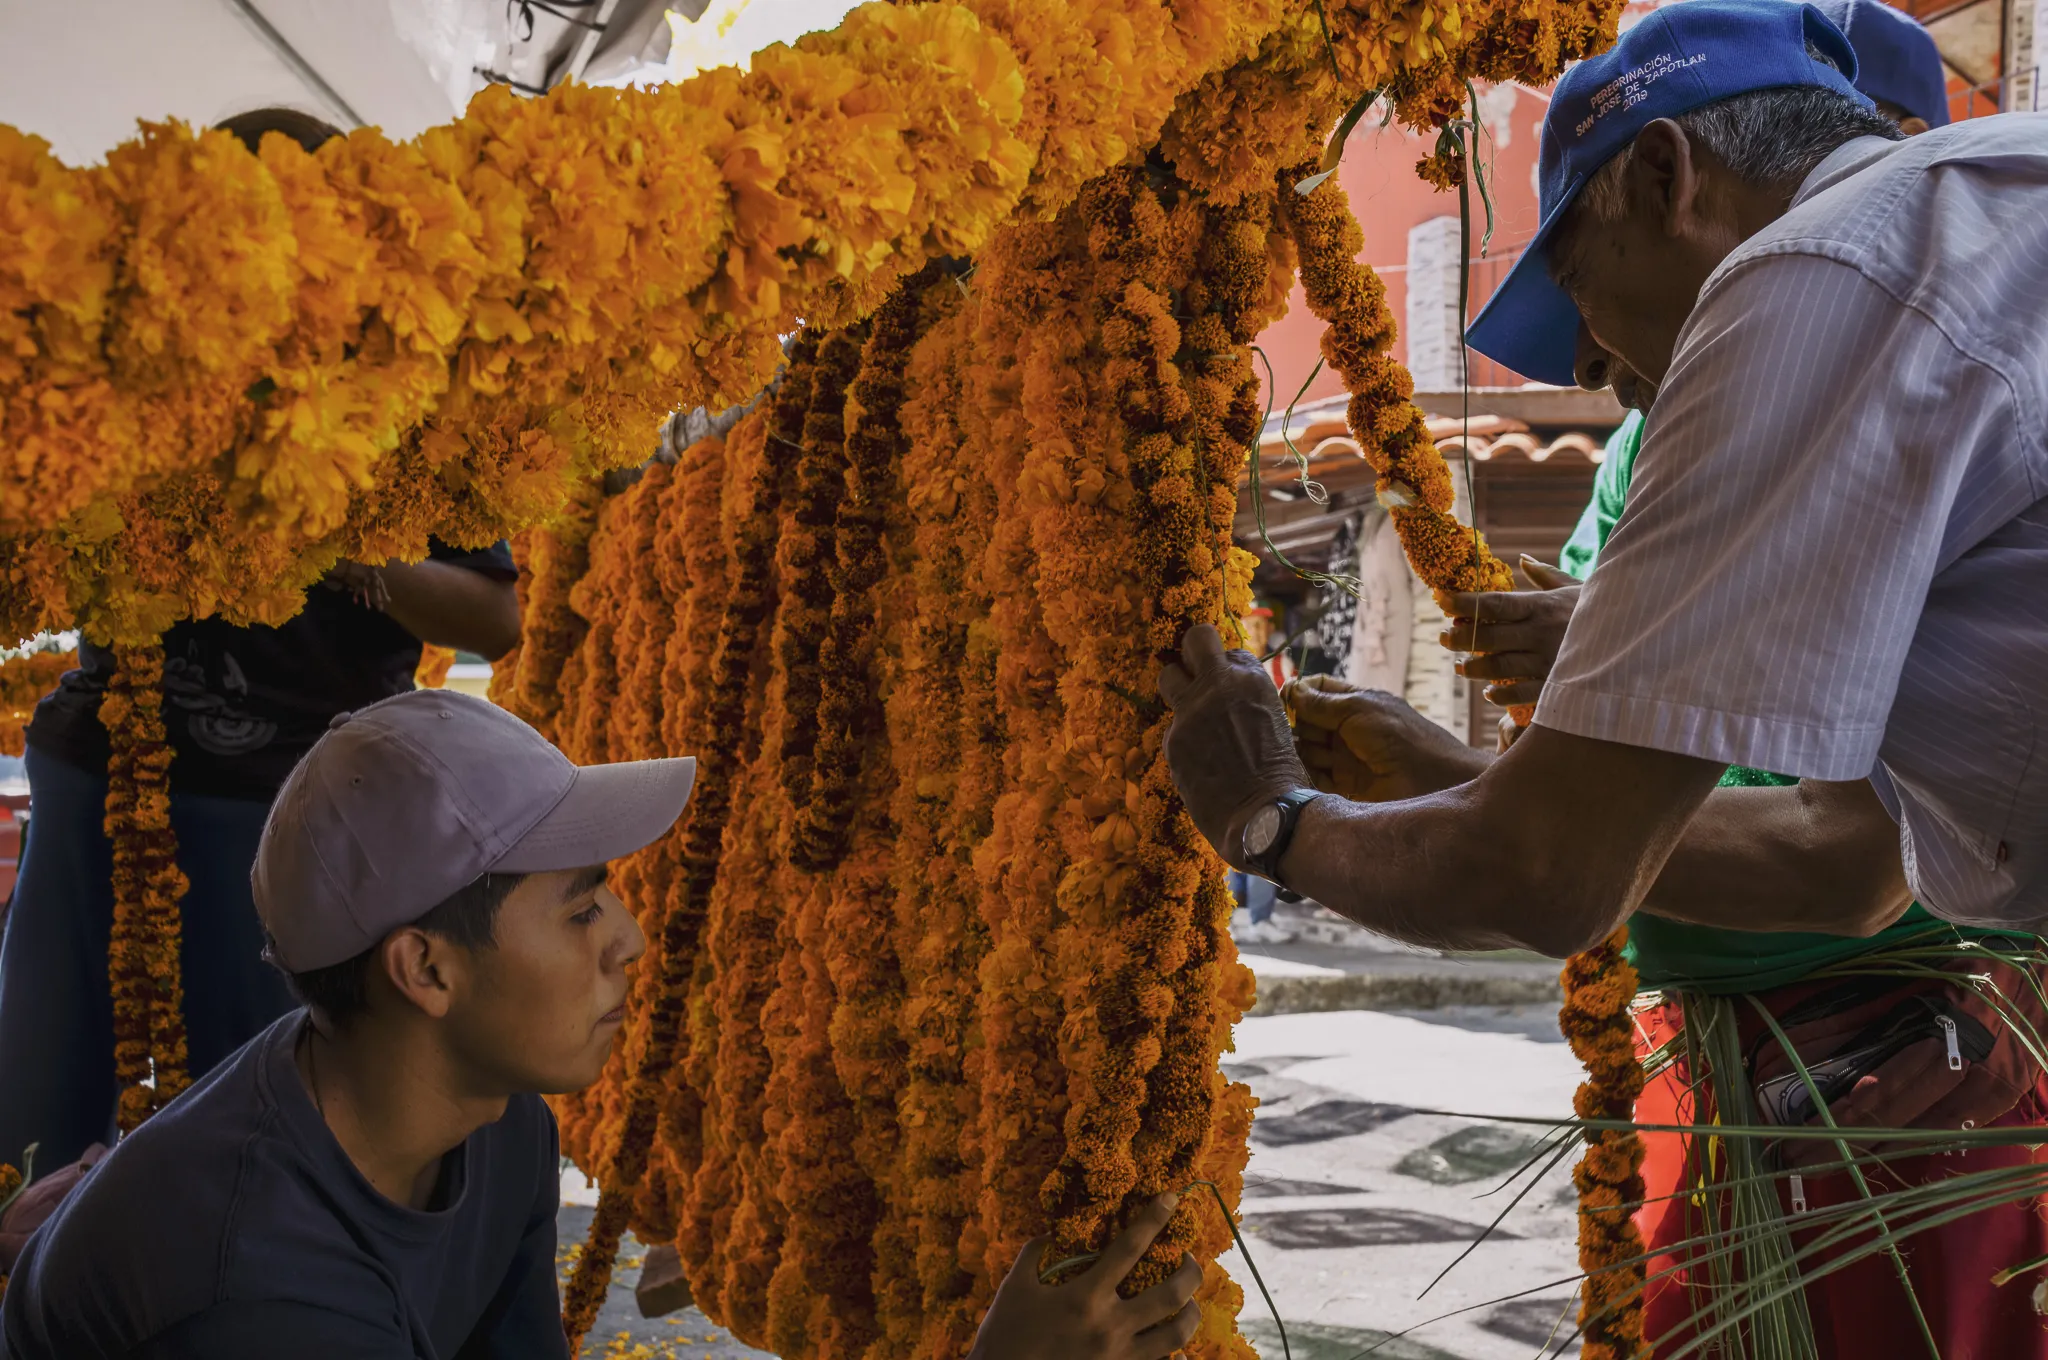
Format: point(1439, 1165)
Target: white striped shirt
point(1834, 558)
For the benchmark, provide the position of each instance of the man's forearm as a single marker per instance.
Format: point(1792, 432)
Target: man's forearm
point(452, 606)
point(1499, 862)
point(1812, 857)
point(1416, 871)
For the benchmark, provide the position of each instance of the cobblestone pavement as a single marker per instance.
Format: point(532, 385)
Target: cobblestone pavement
point(1354, 1200)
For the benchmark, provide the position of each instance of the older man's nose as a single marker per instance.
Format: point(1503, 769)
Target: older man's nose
point(1592, 366)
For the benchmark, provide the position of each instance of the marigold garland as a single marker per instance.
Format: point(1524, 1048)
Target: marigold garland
point(848, 709)
point(849, 827)
point(693, 556)
point(143, 957)
point(1023, 286)
point(1599, 984)
point(435, 663)
point(525, 290)
point(10, 1183)
point(805, 565)
point(552, 558)
point(943, 799)
point(728, 1244)
point(24, 680)
point(1413, 478)
point(1447, 556)
point(1132, 923)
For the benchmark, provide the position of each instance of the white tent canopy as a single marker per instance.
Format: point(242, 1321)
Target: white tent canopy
point(81, 72)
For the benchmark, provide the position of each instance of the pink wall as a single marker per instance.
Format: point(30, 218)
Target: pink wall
point(1387, 197)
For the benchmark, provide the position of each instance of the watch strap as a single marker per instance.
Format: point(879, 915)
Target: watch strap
point(1266, 864)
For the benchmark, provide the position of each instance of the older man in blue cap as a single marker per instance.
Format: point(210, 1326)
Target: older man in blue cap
point(1833, 563)
point(1516, 635)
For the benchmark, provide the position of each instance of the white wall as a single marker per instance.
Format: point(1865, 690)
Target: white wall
point(2024, 43)
point(1436, 356)
point(81, 72)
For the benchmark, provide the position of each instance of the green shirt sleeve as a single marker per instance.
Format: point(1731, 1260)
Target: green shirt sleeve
point(1610, 493)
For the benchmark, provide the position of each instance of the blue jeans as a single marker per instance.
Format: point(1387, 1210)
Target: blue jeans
point(56, 1013)
point(1254, 894)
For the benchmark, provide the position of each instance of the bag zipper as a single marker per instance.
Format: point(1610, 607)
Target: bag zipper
point(1954, 1041)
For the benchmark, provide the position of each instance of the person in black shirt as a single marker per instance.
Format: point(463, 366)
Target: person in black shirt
point(241, 706)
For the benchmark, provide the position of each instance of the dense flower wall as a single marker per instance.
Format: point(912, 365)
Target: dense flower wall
point(938, 962)
point(957, 972)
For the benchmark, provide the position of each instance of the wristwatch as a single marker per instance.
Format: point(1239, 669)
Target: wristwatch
point(1267, 834)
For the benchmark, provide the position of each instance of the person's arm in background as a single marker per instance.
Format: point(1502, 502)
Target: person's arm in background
point(1811, 857)
point(464, 600)
point(452, 606)
point(1084, 1318)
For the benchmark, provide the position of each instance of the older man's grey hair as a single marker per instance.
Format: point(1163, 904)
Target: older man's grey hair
point(1769, 138)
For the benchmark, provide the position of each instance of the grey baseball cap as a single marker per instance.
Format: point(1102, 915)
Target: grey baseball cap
point(402, 803)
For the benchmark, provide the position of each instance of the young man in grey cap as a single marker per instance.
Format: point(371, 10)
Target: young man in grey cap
point(376, 1175)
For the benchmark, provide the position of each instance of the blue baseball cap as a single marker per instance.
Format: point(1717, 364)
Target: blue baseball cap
point(1896, 59)
point(1675, 60)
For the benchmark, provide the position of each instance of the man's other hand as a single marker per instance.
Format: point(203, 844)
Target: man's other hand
point(1517, 632)
point(1370, 747)
point(1085, 1318)
point(1229, 747)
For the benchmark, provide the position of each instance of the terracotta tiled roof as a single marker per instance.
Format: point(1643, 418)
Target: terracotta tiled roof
point(1522, 444)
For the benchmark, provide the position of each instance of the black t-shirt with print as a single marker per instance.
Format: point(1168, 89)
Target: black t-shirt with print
point(242, 705)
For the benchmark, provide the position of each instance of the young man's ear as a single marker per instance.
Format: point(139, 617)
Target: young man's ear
point(416, 964)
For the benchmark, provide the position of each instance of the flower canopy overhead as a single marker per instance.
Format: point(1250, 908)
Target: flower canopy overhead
point(940, 963)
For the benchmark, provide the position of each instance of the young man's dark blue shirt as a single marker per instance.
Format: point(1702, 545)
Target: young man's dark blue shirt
point(232, 1226)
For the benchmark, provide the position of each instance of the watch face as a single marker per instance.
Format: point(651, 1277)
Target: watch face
point(1262, 829)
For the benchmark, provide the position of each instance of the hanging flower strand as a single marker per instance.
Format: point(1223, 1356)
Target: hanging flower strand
point(1447, 556)
point(143, 960)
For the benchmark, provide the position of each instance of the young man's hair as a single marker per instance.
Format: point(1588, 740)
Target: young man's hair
point(303, 128)
point(1772, 138)
point(468, 916)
